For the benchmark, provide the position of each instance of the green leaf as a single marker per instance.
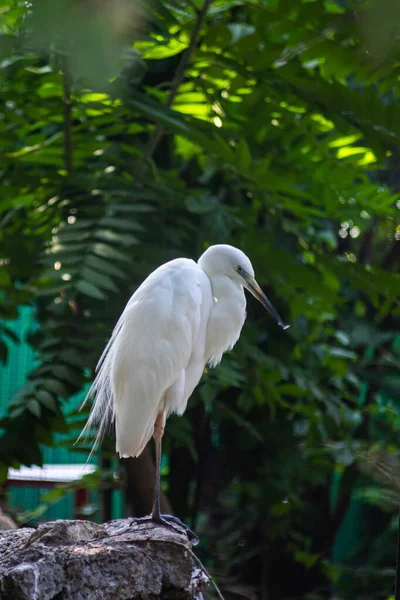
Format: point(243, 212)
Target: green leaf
point(134, 207)
point(116, 237)
point(78, 225)
point(98, 279)
point(152, 50)
point(243, 156)
point(104, 266)
point(160, 114)
point(65, 258)
point(106, 251)
point(45, 398)
point(65, 373)
point(223, 149)
point(17, 412)
point(199, 205)
point(290, 389)
point(71, 357)
point(342, 353)
point(88, 289)
point(34, 407)
point(58, 250)
point(55, 386)
point(5, 279)
point(122, 224)
point(65, 236)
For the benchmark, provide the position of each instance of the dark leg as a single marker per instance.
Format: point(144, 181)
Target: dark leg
point(166, 520)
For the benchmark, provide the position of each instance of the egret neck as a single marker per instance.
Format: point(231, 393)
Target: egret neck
point(226, 318)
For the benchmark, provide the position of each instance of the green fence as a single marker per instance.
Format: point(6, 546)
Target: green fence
point(21, 360)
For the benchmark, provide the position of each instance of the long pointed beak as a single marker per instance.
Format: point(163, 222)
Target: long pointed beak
point(253, 287)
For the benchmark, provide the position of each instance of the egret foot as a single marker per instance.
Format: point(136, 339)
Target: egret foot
point(173, 523)
point(169, 520)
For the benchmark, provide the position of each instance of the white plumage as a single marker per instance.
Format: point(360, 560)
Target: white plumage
point(160, 346)
point(183, 316)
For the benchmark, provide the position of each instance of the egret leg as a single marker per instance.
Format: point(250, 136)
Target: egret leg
point(167, 520)
point(158, 434)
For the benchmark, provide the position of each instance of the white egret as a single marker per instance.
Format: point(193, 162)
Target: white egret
point(184, 316)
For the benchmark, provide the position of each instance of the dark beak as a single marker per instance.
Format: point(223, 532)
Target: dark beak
point(253, 287)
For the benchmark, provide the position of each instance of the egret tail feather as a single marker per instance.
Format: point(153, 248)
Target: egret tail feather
point(102, 414)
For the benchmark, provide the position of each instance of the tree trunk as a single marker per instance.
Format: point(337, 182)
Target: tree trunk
point(139, 491)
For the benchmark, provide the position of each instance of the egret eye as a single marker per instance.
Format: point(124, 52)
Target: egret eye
point(239, 269)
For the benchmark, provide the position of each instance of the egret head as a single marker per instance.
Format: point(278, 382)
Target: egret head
point(232, 262)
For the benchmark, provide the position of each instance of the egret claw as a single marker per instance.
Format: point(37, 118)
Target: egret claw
point(173, 523)
point(170, 520)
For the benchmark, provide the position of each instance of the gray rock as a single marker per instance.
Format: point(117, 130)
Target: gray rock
point(77, 560)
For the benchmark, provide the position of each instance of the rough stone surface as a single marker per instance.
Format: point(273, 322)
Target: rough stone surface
point(78, 560)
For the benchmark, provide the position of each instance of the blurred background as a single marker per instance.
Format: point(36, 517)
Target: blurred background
point(134, 132)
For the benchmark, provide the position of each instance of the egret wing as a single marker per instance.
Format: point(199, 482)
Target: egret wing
point(151, 344)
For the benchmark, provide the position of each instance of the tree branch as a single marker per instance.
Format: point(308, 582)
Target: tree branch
point(392, 259)
point(140, 476)
point(67, 114)
point(366, 247)
point(178, 79)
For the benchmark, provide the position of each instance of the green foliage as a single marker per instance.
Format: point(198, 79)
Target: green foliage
point(129, 137)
